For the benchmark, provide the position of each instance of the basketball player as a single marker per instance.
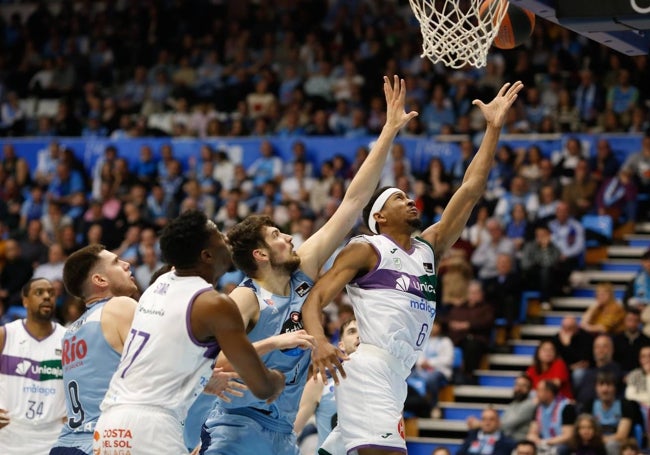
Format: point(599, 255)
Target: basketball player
point(391, 278)
point(92, 345)
point(179, 326)
point(318, 397)
point(32, 405)
point(271, 296)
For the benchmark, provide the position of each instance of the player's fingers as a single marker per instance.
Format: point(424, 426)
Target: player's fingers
point(224, 397)
point(237, 385)
point(234, 393)
point(503, 89)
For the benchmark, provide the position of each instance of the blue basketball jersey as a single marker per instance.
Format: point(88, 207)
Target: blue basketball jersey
point(325, 412)
point(88, 365)
point(278, 314)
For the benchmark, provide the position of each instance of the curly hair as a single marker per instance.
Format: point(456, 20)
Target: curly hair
point(77, 268)
point(183, 239)
point(244, 238)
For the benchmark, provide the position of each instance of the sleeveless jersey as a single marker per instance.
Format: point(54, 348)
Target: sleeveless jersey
point(31, 385)
point(88, 363)
point(278, 314)
point(395, 303)
point(162, 363)
point(325, 411)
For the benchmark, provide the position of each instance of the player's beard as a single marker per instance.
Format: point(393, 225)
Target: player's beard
point(289, 266)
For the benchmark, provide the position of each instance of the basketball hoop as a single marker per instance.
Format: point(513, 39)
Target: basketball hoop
point(639, 9)
point(458, 32)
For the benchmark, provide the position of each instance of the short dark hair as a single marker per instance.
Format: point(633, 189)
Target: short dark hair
point(24, 291)
point(244, 238)
point(366, 210)
point(605, 377)
point(527, 442)
point(346, 323)
point(551, 386)
point(77, 268)
point(183, 239)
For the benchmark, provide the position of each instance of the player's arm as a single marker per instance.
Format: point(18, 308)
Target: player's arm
point(215, 316)
point(444, 233)
point(4, 416)
point(355, 259)
point(248, 306)
point(308, 403)
point(320, 246)
point(116, 320)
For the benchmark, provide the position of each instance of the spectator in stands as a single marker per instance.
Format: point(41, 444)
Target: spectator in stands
point(606, 315)
point(434, 365)
point(52, 270)
point(144, 272)
point(504, 290)
point(66, 182)
point(617, 198)
point(516, 418)
point(569, 236)
point(470, 327)
point(31, 244)
point(266, 167)
point(548, 365)
point(579, 193)
point(566, 160)
point(603, 362)
point(525, 447)
point(637, 293)
point(477, 233)
point(488, 438)
point(52, 221)
point(638, 164)
point(622, 97)
point(630, 447)
point(587, 437)
point(519, 229)
point(575, 346)
point(484, 258)
point(628, 343)
point(518, 194)
point(47, 160)
point(16, 272)
point(616, 416)
point(554, 419)
point(33, 208)
point(637, 389)
point(540, 260)
point(603, 165)
point(590, 98)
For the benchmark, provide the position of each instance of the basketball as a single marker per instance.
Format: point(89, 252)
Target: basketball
point(516, 27)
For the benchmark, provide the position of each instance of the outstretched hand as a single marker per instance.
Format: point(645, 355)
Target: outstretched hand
point(327, 358)
point(222, 383)
point(395, 93)
point(495, 111)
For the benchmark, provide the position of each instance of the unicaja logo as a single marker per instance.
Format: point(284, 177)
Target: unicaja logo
point(403, 283)
point(23, 367)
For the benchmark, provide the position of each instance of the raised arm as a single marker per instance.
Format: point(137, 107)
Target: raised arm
point(320, 246)
point(215, 316)
point(354, 259)
point(444, 233)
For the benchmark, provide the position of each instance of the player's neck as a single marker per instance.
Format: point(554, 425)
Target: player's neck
point(39, 329)
point(403, 239)
point(275, 281)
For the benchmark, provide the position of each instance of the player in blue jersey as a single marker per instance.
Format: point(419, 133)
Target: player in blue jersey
point(92, 345)
point(271, 297)
point(391, 282)
point(318, 397)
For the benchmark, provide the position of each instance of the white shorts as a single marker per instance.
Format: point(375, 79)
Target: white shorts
point(370, 401)
point(138, 430)
point(18, 438)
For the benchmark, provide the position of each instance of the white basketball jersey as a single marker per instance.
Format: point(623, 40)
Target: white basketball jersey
point(31, 386)
point(162, 364)
point(395, 303)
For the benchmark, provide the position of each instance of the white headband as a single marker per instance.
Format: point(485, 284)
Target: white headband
point(378, 205)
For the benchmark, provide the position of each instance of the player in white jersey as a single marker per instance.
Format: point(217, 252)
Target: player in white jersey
point(270, 300)
point(32, 405)
point(180, 325)
point(391, 282)
point(318, 397)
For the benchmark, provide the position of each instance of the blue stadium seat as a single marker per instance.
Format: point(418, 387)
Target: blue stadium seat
point(599, 230)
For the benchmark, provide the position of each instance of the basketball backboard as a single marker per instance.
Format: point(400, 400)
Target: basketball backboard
point(623, 25)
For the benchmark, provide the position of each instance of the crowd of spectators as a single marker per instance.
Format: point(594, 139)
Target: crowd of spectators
point(286, 68)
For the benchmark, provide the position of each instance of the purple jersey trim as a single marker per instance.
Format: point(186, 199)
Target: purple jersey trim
point(213, 347)
point(24, 321)
point(409, 251)
point(391, 279)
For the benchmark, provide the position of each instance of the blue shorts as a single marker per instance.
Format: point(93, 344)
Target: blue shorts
point(231, 434)
point(68, 451)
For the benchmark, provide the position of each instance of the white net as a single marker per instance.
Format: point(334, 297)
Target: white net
point(458, 32)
